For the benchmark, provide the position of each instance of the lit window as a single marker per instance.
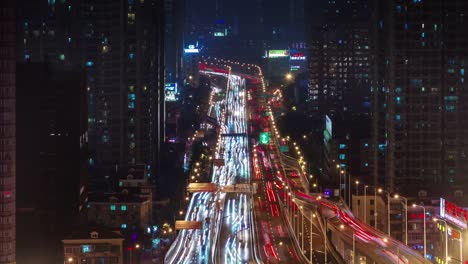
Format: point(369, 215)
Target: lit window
point(62, 56)
point(366, 145)
point(342, 146)
point(124, 226)
point(85, 248)
point(112, 207)
point(366, 164)
point(123, 207)
point(131, 56)
point(131, 105)
point(89, 63)
point(398, 117)
point(342, 156)
point(131, 18)
point(131, 97)
point(27, 56)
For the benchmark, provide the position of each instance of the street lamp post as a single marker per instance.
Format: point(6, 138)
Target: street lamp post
point(354, 247)
point(365, 203)
point(311, 238)
point(388, 210)
point(349, 190)
point(357, 194)
point(375, 207)
point(406, 216)
point(302, 229)
point(424, 226)
point(345, 187)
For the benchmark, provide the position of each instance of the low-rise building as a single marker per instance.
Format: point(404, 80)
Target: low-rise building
point(120, 211)
point(89, 245)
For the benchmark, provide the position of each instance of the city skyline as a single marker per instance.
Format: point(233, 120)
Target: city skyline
point(215, 131)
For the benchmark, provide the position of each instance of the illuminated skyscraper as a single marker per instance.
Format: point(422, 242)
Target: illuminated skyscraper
point(420, 92)
point(7, 133)
point(339, 80)
point(124, 53)
point(119, 44)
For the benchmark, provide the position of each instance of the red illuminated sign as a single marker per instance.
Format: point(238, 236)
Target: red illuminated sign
point(453, 213)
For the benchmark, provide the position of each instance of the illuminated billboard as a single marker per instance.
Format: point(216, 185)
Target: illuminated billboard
point(453, 213)
point(294, 68)
point(170, 92)
point(277, 53)
point(191, 49)
point(297, 57)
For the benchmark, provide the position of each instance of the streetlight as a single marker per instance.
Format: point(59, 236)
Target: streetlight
point(357, 194)
point(302, 227)
point(446, 237)
point(375, 205)
point(289, 76)
point(365, 203)
point(388, 209)
point(397, 196)
point(311, 238)
point(343, 175)
point(354, 243)
point(70, 260)
point(424, 224)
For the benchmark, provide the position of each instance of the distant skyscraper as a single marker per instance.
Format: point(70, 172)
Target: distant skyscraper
point(7, 133)
point(420, 94)
point(339, 89)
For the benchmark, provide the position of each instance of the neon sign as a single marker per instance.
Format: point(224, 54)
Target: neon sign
point(191, 49)
point(453, 213)
point(297, 56)
point(278, 53)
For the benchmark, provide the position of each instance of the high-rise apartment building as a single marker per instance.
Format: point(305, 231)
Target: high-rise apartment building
point(339, 80)
point(7, 133)
point(420, 93)
point(120, 44)
point(52, 158)
point(124, 52)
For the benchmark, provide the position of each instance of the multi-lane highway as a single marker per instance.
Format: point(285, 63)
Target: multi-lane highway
point(280, 222)
point(226, 236)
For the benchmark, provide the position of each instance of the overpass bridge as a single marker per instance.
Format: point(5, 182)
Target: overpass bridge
point(212, 187)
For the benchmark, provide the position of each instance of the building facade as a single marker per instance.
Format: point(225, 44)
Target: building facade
point(124, 211)
point(120, 44)
point(339, 42)
point(93, 245)
point(7, 133)
point(51, 102)
point(419, 93)
point(123, 52)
